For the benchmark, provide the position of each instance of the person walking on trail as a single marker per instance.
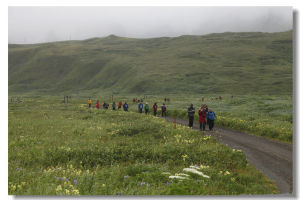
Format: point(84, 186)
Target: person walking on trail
point(125, 106)
point(105, 105)
point(154, 109)
point(202, 121)
point(140, 106)
point(191, 114)
point(120, 105)
point(211, 117)
point(90, 102)
point(164, 111)
point(146, 109)
point(114, 106)
point(98, 104)
point(206, 111)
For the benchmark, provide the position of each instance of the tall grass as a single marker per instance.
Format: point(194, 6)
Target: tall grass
point(68, 149)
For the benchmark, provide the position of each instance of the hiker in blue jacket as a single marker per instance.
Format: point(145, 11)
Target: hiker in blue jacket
point(211, 119)
point(125, 106)
point(140, 106)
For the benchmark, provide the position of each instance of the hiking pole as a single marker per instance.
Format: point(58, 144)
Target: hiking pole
point(174, 121)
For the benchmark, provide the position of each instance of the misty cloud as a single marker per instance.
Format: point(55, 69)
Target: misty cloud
point(47, 24)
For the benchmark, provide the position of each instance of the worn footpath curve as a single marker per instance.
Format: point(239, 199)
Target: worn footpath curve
point(274, 159)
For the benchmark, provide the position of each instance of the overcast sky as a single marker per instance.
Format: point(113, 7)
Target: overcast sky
point(47, 24)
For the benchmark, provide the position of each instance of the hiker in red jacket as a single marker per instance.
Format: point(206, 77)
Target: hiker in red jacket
point(154, 109)
point(202, 120)
point(119, 105)
point(98, 104)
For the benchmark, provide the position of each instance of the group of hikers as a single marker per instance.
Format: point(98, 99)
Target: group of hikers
point(106, 105)
point(154, 106)
point(126, 107)
point(206, 116)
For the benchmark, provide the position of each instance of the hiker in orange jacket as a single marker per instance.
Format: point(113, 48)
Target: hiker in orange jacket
point(90, 102)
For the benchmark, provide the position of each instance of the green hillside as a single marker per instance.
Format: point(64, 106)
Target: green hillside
point(232, 63)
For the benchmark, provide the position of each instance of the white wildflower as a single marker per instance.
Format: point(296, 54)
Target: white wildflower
point(194, 171)
point(194, 167)
point(226, 173)
point(182, 174)
point(177, 177)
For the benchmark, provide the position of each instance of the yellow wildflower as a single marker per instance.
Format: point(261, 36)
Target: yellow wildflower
point(184, 157)
point(78, 172)
point(67, 191)
point(13, 187)
point(58, 188)
point(75, 192)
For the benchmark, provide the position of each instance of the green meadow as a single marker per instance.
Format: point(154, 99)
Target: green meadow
point(68, 149)
point(266, 116)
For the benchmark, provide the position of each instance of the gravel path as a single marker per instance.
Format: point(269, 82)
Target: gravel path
point(274, 159)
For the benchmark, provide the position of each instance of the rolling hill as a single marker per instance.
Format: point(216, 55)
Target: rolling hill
point(232, 63)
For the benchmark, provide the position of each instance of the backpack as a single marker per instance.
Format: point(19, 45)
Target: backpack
point(211, 115)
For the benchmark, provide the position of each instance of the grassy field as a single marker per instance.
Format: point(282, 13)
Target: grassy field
point(223, 63)
point(268, 116)
point(68, 149)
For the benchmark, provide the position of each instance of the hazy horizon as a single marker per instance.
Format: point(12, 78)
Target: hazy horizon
point(29, 25)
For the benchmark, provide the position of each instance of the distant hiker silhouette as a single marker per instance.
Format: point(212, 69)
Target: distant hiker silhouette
point(98, 104)
point(154, 109)
point(163, 110)
point(125, 106)
point(90, 102)
point(146, 108)
point(140, 107)
point(191, 114)
point(120, 104)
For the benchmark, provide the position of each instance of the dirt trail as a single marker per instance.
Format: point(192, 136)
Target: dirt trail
point(273, 159)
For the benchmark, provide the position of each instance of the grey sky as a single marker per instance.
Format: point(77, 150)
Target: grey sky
point(47, 24)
